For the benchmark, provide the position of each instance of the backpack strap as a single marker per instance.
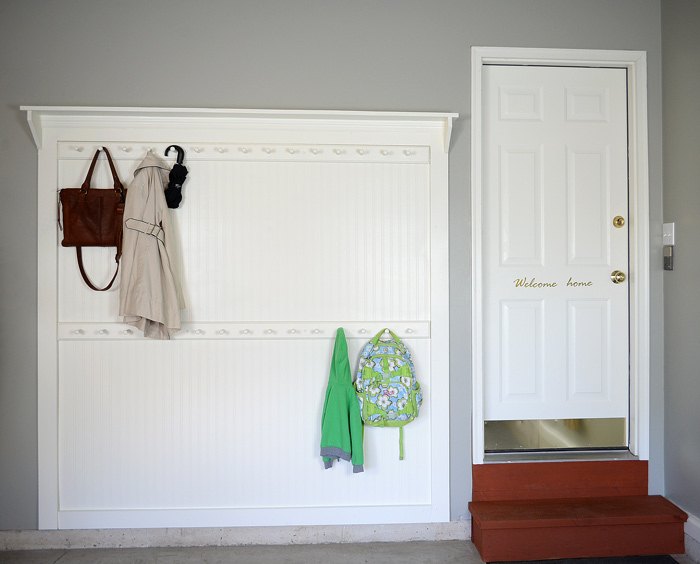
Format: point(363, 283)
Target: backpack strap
point(378, 337)
point(401, 442)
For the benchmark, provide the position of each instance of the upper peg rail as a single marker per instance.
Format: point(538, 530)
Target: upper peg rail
point(255, 152)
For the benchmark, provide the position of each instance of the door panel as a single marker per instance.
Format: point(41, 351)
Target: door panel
point(555, 175)
point(521, 350)
point(588, 205)
point(587, 348)
point(521, 206)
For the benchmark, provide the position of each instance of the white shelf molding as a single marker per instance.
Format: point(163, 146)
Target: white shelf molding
point(41, 117)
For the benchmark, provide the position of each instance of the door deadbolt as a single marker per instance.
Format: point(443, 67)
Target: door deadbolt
point(617, 276)
point(618, 221)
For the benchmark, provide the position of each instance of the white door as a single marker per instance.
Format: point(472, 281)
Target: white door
point(555, 244)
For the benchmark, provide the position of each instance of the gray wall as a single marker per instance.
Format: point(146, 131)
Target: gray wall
point(681, 81)
point(307, 54)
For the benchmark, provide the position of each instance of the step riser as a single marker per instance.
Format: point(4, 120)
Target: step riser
point(577, 542)
point(552, 480)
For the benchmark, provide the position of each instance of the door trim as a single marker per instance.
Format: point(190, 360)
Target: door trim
point(635, 64)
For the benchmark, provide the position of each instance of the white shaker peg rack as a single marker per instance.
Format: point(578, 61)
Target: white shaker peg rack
point(254, 152)
point(230, 331)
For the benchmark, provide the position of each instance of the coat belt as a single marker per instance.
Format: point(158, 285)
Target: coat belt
point(152, 229)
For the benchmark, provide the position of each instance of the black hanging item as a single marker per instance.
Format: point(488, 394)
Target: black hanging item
point(173, 193)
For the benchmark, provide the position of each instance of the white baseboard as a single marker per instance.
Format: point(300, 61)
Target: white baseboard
point(692, 527)
point(692, 537)
point(233, 536)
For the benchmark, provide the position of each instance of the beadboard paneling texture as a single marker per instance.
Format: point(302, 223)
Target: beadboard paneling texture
point(230, 428)
point(279, 243)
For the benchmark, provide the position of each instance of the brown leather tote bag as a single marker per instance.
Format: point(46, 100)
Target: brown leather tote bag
point(93, 217)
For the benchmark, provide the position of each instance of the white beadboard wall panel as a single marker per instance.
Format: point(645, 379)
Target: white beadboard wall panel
point(289, 241)
point(292, 224)
point(166, 425)
point(281, 241)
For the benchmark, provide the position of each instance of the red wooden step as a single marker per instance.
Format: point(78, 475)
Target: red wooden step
point(539, 529)
point(552, 480)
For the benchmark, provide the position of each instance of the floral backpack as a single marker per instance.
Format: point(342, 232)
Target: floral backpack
point(386, 384)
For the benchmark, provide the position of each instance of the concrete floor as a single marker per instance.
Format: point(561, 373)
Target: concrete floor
point(442, 552)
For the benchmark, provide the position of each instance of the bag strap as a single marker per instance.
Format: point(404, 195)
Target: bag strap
point(118, 186)
point(79, 252)
point(86, 183)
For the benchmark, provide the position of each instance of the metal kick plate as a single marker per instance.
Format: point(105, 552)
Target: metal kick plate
point(555, 434)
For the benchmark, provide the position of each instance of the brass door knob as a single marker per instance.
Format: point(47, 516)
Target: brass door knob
point(617, 276)
point(618, 221)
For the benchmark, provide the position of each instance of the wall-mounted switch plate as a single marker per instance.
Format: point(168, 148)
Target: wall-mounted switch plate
point(668, 257)
point(669, 234)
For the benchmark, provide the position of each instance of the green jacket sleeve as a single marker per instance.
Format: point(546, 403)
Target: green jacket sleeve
point(341, 424)
point(357, 431)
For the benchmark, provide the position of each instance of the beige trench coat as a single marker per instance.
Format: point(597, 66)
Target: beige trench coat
point(150, 295)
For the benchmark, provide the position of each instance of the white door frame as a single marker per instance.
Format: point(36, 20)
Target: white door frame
point(635, 64)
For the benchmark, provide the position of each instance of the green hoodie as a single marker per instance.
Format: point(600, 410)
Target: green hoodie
point(341, 424)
